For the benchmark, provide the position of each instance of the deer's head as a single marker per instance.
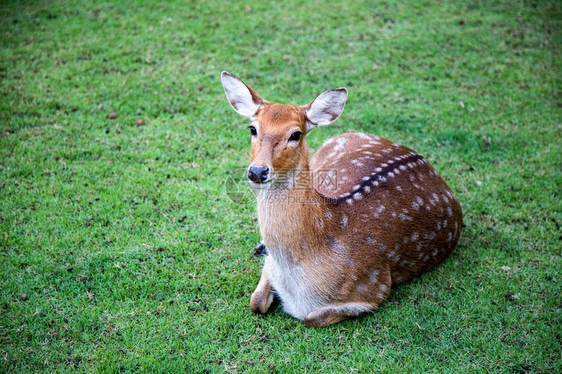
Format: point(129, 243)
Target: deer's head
point(278, 131)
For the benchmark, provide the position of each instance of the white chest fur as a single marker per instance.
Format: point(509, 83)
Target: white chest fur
point(292, 285)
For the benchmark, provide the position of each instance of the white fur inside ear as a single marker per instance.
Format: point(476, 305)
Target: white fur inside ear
point(239, 96)
point(326, 108)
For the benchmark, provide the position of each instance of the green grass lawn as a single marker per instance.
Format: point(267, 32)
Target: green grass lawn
point(132, 256)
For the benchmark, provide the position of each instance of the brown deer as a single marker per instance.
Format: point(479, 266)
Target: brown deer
point(343, 227)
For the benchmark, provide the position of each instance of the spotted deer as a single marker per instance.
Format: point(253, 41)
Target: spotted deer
point(343, 227)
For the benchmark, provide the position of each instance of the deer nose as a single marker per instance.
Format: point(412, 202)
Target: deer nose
point(258, 174)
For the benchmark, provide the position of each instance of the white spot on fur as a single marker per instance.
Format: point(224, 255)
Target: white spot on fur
point(343, 222)
point(393, 257)
point(415, 236)
point(361, 288)
point(429, 235)
point(331, 155)
point(371, 240)
point(338, 248)
point(374, 277)
point(341, 142)
point(329, 141)
point(355, 162)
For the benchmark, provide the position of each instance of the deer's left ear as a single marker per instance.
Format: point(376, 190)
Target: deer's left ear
point(326, 108)
point(243, 98)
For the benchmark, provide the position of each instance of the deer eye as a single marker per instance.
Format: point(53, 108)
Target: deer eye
point(253, 130)
point(295, 137)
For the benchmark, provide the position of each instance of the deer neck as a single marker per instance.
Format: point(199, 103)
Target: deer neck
point(287, 214)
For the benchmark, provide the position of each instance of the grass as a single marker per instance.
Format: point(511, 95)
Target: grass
point(134, 259)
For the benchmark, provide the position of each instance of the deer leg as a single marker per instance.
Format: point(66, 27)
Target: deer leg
point(331, 314)
point(263, 295)
point(335, 313)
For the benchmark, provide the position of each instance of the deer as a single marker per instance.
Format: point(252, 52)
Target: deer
point(343, 227)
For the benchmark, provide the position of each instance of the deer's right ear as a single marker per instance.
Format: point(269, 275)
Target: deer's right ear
point(243, 98)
